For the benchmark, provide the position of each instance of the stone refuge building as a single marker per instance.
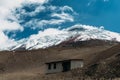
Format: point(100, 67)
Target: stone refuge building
point(63, 65)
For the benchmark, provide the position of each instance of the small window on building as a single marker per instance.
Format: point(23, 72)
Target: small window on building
point(49, 66)
point(54, 65)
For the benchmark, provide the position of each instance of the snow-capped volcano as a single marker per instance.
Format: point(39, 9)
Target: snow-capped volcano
point(52, 36)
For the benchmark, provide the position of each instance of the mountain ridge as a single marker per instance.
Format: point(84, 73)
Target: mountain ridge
point(51, 37)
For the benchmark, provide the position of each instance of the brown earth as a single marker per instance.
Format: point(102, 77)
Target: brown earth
point(30, 65)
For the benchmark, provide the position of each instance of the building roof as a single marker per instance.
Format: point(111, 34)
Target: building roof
point(63, 60)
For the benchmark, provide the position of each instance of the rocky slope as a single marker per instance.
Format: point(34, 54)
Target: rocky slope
point(30, 65)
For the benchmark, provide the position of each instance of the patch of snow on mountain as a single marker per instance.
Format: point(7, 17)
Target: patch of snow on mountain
point(52, 37)
point(90, 32)
point(47, 38)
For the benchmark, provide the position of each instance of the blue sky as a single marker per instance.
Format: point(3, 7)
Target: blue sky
point(20, 19)
point(96, 12)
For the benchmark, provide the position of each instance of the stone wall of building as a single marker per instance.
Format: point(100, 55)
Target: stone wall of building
point(59, 68)
point(77, 64)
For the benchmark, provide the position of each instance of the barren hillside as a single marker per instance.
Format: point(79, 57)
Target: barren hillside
point(30, 65)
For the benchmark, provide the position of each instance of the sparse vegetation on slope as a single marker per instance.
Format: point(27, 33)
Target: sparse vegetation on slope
point(29, 65)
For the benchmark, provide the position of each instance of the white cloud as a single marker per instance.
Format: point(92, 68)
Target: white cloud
point(6, 7)
point(37, 10)
point(52, 22)
point(10, 4)
point(7, 25)
point(36, 1)
point(5, 12)
point(5, 41)
point(56, 18)
point(65, 8)
point(41, 23)
point(63, 16)
point(52, 8)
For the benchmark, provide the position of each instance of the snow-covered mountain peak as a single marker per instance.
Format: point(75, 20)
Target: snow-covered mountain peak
point(52, 36)
point(80, 27)
point(90, 32)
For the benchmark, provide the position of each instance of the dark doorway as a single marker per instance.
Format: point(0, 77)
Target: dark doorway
point(66, 66)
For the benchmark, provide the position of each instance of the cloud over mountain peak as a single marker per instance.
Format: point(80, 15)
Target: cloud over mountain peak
point(23, 19)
